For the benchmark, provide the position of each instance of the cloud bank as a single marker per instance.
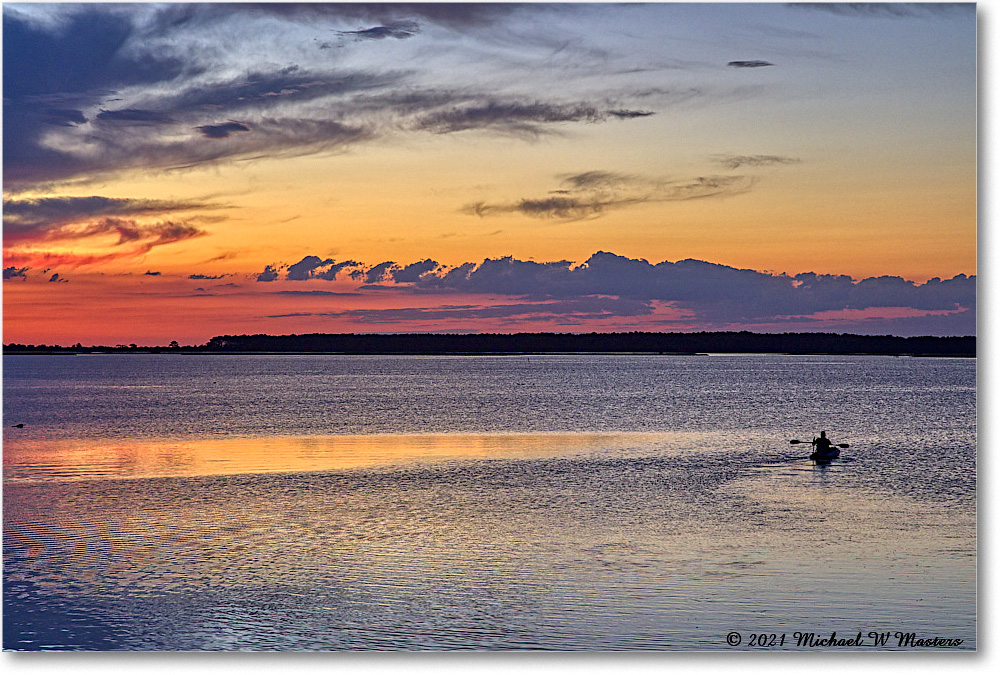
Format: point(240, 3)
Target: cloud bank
point(707, 294)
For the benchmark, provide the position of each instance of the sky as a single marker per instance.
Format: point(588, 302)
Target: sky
point(177, 172)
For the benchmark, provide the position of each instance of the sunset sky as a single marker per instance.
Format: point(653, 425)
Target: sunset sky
point(176, 172)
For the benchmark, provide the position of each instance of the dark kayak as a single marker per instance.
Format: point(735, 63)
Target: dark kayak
point(827, 455)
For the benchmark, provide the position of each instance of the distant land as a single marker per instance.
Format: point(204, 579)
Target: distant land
point(547, 343)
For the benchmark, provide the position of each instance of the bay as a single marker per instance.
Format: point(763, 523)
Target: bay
point(543, 502)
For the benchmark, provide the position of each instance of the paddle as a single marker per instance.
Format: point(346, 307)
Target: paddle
point(839, 445)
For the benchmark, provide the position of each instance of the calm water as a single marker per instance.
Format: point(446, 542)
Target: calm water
point(550, 502)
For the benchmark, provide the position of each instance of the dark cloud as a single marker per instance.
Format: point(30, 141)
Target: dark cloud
point(152, 274)
point(399, 30)
point(630, 114)
point(47, 217)
point(99, 57)
point(572, 208)
point(15, 273)
point(412, 273)
point(50, 75)
point(314, 267)
point(269, 274)
point(736, 161)
point(592, 193)
point(514, 117)
point(56, 279)
point(715, 293)
point(711, 295)
point(146, 235)
point(134, 116)
point(378, 272)
point(749, 64)
point(303, 269)
point(331, 272)
point(134, 238)
point(221, 130)
point(206, 276)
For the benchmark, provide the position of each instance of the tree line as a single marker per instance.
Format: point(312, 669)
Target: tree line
point(743, 342)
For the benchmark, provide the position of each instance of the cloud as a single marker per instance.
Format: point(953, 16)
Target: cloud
point(96, 89)
point(320, 293)
point(716, 293)
point(48, 217)
point(61, 259)
point(55, 278)
point(749, 64)
point(412, 273)
point(221, 130)
point(269, 274)
point(378, 272)
point(524, 118)
point(592, 193)
point(146, 236)
point(887, 9)
point(736, 161)
point(572, 208)
point(598, 179)
point(152, 274)
point(452, 15)
point(303, 269)
point(399, 30)
point(206, 276)
point(579, 309)
point(134, 116)
point(32, 223)
point(15, 273)
point(606, 285)
point(630, 114)
point(314, 267)
point(51, 75)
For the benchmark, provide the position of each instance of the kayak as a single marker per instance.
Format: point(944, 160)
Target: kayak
point(827, 455)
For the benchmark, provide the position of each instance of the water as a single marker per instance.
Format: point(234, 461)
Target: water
point(429, 503)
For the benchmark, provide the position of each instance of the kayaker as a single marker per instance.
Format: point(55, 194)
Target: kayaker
point(822, 443)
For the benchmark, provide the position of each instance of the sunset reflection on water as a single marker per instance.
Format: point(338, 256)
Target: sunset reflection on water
point(27, 460)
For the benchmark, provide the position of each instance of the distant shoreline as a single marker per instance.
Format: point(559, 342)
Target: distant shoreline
point(531, 344)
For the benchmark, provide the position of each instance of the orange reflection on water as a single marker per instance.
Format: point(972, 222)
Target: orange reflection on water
point(27, 460)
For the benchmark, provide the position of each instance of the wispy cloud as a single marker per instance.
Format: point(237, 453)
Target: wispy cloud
point(516, 117)
point(736, 161)
point(103, 88)
point(579, 309)
point(51, 217)
point(593, 193)
point(887, 9)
